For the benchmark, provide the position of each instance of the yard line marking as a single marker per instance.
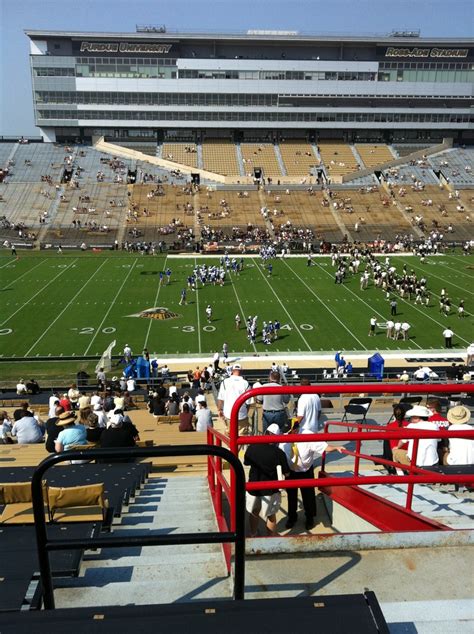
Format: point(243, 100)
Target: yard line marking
point(110, 307)
point(431, 274)
point(156, 302)
point(321, 302)
point(7, 263)
point(453, 257)
point(374, 310)
point(64, 309)
point(38, 292)
point(197, 310)
point(281, 304)
point(240, 308)
point(19, 278)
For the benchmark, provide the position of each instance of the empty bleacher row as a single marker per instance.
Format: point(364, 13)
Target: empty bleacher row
point(456, 165)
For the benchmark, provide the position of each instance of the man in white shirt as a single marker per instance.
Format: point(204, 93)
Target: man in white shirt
point(427, 454)
point(461, 450)
point(53, 402)
point(230, 389)
point(301, 458)
point(405, 327)
point(127, 353)
point(21, 387)
point(308, 410)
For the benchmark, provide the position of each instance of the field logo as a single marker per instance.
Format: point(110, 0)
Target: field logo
point(156, 313)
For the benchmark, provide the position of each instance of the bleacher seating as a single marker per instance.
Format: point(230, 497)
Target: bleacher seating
point(5, 151)
point(32, 161)
point(260, 155)
point(457, 165)
point(298, 157)
point(338, 158)
point(374, 154)
point(220, 157)
point(182, 153)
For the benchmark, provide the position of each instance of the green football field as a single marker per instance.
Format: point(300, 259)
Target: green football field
point(75, 305)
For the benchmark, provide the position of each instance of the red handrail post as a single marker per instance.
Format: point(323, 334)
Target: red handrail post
point(218, 489)
point(357, 458)
point(411, 486)
point(211, 477)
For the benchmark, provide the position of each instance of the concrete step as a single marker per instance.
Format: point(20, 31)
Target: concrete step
point(170, 525)
point(175, 588)
point(166, 556)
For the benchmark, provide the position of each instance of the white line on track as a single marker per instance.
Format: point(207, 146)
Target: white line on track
point(38, 292)
point(160, 284)
point(27, 354)
point(325, 305)
point(197, 311)
point(240, 307)
point(110, 307)
point(23, 275)
point(281, 304)
point(366, 303)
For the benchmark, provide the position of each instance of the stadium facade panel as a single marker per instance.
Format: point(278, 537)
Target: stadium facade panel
point(165, 86)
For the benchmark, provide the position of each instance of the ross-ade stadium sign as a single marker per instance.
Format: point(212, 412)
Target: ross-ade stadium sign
point(426, 52)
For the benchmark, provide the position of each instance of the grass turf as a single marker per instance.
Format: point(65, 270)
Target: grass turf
point(75, 305)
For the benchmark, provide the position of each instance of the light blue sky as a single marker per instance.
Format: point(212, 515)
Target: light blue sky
point(434, 18)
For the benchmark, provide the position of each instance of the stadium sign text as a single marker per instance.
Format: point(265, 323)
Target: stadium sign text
point(426, 52)
point(123, 47)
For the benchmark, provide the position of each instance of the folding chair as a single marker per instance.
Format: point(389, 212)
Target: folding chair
point(357, 407)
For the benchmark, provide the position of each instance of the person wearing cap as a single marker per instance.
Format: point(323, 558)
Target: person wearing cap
point(53, 402)
point(427, 455)
point(71, 434)
point(73, 396)
point(83, 401)
point(264, 461)
point(461, 450)
point(301, 457)
point(274, 405)
point(26, 428)
point(230, 389)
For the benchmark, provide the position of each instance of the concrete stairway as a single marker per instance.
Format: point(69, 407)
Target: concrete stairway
point(155, 574)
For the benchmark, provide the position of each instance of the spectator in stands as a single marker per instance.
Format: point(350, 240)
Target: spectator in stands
point(53, 403)
point(71, 434)
point(186, 419)
point(93, 431)
point(172, 405)
point(301, 457)
point(131, 384)
point(187, 400)
point(434, 405)
point(118, 434)
point(119, 400)
point(427, 455)
point(33, 387)
point(274, 406)
point(73, 396)
point(101, 379)
point(96, 399)
point(26, 428)
point(389, 445)
point(65, 403)
point(128, 401)
point(21, 388)
point(308, 409)
point(460, 450)
point(264, 461)
point(230, 389)
point(156, 405)
point(83, 401)
point(5, 427)
point(203, 416)
point(101, 415)
point(52, 430)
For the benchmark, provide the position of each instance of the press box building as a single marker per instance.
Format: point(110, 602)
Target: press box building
point(153, 84)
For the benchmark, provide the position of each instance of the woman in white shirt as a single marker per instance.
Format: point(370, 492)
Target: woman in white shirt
point(461, 450)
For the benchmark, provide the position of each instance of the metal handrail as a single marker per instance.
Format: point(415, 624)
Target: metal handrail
point(236, 535)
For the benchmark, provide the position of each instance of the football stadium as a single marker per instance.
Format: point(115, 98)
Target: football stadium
point(264, 238)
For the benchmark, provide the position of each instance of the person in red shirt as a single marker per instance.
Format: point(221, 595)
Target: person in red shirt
point(65, 403)
point(186, 419)
point(389, 445)
point(434, 405)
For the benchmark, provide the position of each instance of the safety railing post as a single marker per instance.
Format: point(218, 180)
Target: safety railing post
point(357, 458)
point(218, 489)
point(211, 475)
point(411, 486)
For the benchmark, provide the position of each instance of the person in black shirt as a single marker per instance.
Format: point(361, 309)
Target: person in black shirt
point(264, 461)
point(52, 430)
point(93, 431)
point(119, 433)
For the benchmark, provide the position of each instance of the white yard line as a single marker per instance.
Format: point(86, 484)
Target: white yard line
point(110, 307)
point(197, 311)
point(281, 304)
point(155, 305)
point(325, 305)
point(65, 308)
point(23, 275)
point(38, 292)
point(7, 263)
point(240, 308)
point(374, 310)
point(458, 259)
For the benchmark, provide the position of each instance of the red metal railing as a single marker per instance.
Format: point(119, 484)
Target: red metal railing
point(417, 475)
